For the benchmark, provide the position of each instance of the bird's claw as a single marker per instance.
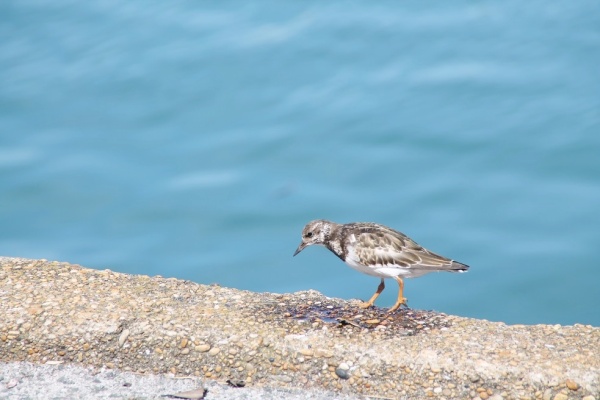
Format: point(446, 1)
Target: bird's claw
point(365, 305)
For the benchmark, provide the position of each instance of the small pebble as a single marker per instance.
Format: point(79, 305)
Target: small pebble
point(123, 337)
point(323, 353)
point(214, 351)
point(283, 378)
point(571, 384)
point(11, 384)
point(306, 352)
point(342, 373)
point(202, 348)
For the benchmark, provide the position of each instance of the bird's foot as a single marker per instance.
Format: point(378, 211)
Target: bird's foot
point(399, 303)
point(365, 304)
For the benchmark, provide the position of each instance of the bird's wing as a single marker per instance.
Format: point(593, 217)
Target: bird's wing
point(387, 247)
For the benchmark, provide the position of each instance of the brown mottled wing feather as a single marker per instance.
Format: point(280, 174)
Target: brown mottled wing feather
point(395, 248)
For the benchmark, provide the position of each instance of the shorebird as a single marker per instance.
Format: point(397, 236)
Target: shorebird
point(377, 250)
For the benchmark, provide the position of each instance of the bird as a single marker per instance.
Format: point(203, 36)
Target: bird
point(377, 250)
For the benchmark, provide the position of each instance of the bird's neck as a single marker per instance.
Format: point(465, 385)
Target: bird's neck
point(334, 241)
point(336, 248)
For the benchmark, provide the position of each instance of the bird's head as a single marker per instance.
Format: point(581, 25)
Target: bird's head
point(315, 232)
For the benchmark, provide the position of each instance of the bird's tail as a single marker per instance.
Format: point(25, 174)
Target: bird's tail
point(458, 267)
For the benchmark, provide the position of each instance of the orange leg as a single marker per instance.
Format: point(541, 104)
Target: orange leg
point(401, 299)
point(371, 301)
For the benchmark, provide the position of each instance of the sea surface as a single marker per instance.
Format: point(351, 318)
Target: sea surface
point(195, 139)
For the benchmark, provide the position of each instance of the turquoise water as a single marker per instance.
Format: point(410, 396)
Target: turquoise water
point(195, 140)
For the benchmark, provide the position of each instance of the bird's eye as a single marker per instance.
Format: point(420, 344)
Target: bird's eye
point(309, 234)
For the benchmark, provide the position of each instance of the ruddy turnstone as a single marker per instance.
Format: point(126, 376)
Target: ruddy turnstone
point(377, 250)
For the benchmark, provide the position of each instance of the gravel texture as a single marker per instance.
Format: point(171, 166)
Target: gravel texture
point(164, 330)
point(22, 380)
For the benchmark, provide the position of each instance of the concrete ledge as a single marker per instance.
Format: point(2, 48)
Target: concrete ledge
point(54, 312)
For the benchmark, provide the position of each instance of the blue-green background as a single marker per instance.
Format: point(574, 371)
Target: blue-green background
point(195, 139)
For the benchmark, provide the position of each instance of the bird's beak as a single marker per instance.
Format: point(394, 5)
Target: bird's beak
point(300, 248)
